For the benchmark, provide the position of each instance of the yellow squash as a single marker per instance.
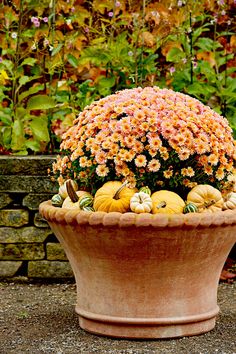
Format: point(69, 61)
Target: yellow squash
point(113, 196)
point(206, 198)
point(168, 202)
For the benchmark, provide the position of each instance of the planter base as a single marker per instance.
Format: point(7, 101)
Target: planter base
point(142, 275)
point(146, 327)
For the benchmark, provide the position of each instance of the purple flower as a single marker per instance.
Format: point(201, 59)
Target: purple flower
point(184, 60)
point(172, 70)
point(1, 60)
point(180, 3)
point(118, 4)
point(130, 53)
point(73, 9)
point(36, 23)
point(110, 14)
point(45, 19)
point(221, 2)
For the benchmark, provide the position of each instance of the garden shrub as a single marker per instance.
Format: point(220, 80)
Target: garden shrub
point(56, 57)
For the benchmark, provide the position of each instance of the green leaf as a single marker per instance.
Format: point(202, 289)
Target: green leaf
point(57, 49)
point(98, 40)
point(33, 145)
point(5, 118)
point(6, 137)
point(175, 55)
point(39, 127)
point(207, 44)
point(18, 136)
point(31, 91)
point(25, 79)
point(29, 61)
point(107, 82)
point(40, 102)
point(198, 32)
point(73, 60)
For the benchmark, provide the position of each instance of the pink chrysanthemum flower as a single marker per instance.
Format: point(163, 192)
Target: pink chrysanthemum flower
point(148, 136)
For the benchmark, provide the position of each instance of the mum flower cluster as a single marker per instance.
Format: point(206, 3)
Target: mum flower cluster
point(148, 136)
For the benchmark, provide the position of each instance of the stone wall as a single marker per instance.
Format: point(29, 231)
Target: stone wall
point(27, 245)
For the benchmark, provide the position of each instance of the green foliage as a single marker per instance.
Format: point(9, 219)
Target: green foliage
point(57, 57)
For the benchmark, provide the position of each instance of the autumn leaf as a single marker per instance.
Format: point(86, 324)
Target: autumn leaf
point(207, 56)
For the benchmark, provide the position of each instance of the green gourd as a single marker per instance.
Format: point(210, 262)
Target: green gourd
point(190, 208)
point(146, 190)
point(88, 208)
point(86, 201)
point(57, 200)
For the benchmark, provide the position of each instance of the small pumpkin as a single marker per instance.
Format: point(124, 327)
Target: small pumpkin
point(86, 201)
point(63, 189)
point(206, 198)
point(190, 208)
point(73, 199)
point(165, 201)
point(230, 201)
point(141, 202)
point(57, 200)
point(113, 196)
point(145, 189)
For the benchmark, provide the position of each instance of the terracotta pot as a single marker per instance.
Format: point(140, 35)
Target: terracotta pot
point(145, 276)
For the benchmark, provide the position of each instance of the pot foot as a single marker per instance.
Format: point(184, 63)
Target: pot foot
point(146, 332)
point(152, 328)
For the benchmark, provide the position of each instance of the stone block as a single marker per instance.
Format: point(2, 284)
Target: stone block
point(27, 184)
point(27, 234)
point(55, 252)
point(21, 251)
point(39, 221)
point(9, 268)
point(32, 201)
point(49, 269)
point(26, 165)
point(5, 200)
point(14, 217)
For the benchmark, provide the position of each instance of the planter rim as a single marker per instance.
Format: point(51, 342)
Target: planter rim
point(129, 219)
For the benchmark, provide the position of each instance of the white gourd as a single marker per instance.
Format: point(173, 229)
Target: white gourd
point(230, 201)
point(141, 202)
point(63, 190)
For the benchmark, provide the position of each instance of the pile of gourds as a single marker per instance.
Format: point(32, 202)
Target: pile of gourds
point(117, 196)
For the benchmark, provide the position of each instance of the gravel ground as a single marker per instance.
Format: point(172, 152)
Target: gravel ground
point(39, 318)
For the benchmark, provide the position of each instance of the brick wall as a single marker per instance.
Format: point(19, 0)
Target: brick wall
point(27, 245)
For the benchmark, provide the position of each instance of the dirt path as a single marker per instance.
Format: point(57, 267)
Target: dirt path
point(40, 318)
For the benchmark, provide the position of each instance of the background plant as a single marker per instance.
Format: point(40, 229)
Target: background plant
point(58, 56)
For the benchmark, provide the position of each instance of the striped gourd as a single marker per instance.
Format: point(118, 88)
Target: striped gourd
point(88, 208)
point(190, 208)
point(57, 200)
point(86, 201)
point(146, 190)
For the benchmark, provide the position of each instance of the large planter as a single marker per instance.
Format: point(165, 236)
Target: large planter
point(145, 276)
